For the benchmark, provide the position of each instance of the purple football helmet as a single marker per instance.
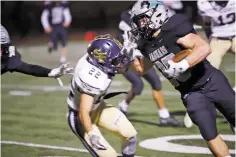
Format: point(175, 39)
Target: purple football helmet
point(105, 53)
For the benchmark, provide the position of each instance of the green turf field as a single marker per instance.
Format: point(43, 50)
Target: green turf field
point(41, 117)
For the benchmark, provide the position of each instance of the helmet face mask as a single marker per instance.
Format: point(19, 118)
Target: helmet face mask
point(143, 26)
point(147, 18)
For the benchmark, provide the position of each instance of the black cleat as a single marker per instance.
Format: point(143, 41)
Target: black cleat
point(170, 121)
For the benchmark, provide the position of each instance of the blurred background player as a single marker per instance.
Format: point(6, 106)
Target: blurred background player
point(221, 16)
point(11, 61)
point(137, 84)
point(87, 109)
point(56, 19)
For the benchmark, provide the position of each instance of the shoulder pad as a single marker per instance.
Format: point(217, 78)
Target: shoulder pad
point(174, 21)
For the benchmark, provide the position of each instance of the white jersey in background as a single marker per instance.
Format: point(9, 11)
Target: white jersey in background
point(88, 79)
point(222, 18)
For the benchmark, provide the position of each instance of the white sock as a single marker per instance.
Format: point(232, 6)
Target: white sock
point(124, 106)
point(63, 59)
point(164, 113)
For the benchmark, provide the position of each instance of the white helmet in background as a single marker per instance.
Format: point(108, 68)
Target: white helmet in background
point(5, 39)
point(148, 17)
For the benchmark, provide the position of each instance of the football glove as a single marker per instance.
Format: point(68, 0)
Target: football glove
point(176, 69)
point(96, 141)
point(130, 46)
point(62, 70)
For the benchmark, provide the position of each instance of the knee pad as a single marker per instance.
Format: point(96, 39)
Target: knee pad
point(137, 87)
point(129, 146)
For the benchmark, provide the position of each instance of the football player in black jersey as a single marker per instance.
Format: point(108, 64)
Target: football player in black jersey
point(203, 88)
point(11, 61)
point(137, 84)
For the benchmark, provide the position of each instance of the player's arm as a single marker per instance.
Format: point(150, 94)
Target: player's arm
point(39, 71)
point(86, 103)
point(200, 48)
point(85, 106)
point(137, 66)
point(45, 21)
point(141, 65)
point(68, 18)
point(34, 70)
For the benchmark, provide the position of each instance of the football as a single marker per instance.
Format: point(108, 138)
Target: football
point(181, 55)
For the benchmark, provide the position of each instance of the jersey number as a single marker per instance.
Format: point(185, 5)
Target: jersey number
point(226, 19)
point(163, 65)
point(94, 73)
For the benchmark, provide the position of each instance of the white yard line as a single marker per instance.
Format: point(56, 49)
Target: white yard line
point(47, 146)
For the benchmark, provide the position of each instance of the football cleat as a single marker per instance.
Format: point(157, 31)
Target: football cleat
point(170, 121)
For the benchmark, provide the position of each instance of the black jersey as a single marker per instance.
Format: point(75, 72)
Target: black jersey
point(164, 47)
point(10, 61)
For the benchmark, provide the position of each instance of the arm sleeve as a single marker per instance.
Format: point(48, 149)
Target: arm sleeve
point(67, 15)
point(30, 69)
point(44, 19)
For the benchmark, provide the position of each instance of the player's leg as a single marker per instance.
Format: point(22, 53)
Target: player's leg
point(164, 115)
point(137, 88)
point(116, 122)
point(203, 113)
point(77, 128)
point(219, 49)
point(233, 49)
point(54, 38)
point(223, 95)
point(64, 38)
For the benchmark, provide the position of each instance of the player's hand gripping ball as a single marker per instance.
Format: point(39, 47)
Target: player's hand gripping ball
point(178, 65)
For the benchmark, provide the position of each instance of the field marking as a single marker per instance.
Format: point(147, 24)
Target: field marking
point(164, 144)
point(47, 146)
point(50, 88)
point(20, 93)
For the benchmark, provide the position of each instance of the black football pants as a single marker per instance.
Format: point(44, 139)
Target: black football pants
point(202, 104)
